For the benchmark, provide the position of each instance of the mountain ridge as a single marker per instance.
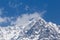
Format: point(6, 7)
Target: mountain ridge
point(36, 29)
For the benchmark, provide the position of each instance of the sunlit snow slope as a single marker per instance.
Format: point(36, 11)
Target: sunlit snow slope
point(35, 29)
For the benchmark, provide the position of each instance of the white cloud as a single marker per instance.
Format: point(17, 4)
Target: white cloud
point(3, 19)
point(24, 19)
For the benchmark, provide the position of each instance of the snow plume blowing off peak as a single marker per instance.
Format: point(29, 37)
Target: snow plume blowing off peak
point(30, 27)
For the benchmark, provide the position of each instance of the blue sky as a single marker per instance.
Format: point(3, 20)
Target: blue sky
point(53, 11)
point(14, 8)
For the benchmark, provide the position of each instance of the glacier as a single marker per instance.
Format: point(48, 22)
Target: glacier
point(35, 29)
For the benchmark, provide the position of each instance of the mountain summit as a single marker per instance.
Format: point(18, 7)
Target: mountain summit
point(36, 29)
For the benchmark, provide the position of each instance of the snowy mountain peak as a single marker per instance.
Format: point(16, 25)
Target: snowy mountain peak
point(36, 29)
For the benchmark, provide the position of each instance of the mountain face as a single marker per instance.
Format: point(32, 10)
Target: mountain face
point(36, 29)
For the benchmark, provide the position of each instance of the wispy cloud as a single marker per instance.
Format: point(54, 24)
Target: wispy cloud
point(1, 11)
point(25, 18)
point(14, 5)
point(3, 19)
point(22, 19)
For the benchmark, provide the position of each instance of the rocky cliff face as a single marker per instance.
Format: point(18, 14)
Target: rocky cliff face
point(36, 29)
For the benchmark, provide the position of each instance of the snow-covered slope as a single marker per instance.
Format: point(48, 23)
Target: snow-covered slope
point(35, 29)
